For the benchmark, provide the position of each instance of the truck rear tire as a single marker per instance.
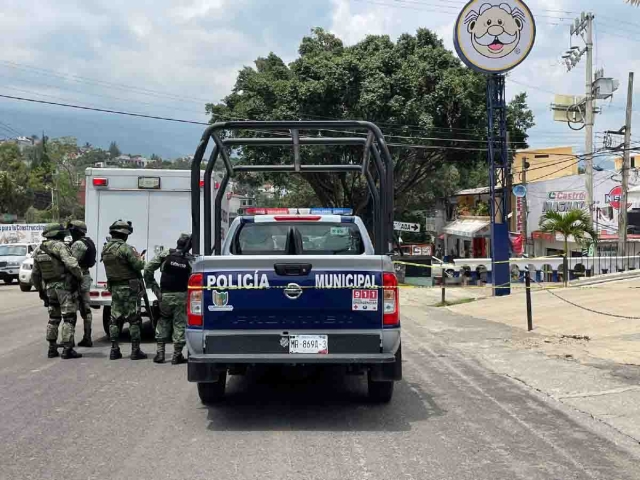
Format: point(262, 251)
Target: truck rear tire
point(380, 392)
point(8, 281)
point(25, 287)
point(106, 319)
point(213, 392)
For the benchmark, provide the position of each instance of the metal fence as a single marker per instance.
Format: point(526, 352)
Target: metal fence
point(605, 259)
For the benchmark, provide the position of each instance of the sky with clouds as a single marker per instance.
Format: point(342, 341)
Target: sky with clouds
point(168, 57)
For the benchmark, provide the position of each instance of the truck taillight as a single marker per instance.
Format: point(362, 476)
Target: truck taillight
point(100, 182)
point(390, 300)
point(194, 301)
point(216, 185)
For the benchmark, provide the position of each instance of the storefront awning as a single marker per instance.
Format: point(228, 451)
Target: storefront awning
point(468, 227)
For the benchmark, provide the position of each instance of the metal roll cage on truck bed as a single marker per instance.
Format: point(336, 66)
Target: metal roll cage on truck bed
point(328, 296)
point(374, 143)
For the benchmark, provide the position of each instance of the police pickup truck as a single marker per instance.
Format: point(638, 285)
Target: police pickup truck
point(294, 290)
point(302, 289)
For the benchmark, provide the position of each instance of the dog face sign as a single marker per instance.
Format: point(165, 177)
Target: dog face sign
point(494, 37)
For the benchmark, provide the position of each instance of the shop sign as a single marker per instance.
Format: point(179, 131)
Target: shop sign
point(564, 201)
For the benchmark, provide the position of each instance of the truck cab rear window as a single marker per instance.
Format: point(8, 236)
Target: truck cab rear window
point(298, 238)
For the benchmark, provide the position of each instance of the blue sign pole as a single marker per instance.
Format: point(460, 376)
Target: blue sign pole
point(481, 19)
point(499, 171)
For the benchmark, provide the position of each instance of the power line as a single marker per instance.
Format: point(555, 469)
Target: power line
point(128, 100)
point(406, 6)
point(626, 37)
point(103, 110)
point(9, 128)
point(618, 20)
point(170, 119)
point(104, 83)
point(529, 86)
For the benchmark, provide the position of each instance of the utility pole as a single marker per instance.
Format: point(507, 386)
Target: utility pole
point(583, 26)
point(588, 144)
point(622, 211)
point(525, 211)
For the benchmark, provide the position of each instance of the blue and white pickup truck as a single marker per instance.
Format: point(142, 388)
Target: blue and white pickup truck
point(294, 290)
point(299, 289)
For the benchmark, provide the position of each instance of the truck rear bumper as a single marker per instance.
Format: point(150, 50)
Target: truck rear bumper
point(206, 368)
point(294, 359)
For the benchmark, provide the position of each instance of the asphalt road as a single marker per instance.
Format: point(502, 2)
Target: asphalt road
point(450, 419)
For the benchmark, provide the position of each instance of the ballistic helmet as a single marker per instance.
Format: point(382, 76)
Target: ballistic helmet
point(120, 226)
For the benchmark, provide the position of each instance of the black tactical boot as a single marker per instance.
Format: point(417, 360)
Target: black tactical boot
point(69, 352)
point(136, 353)
point(115, 351)
point(53, 350)
point(178, 358)
point(159, 358)
point(86, 340)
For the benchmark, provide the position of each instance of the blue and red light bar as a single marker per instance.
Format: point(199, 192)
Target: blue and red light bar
point(298, 211)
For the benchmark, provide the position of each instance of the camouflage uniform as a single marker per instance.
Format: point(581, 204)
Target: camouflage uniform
point(123, 265)
point(172, 296)
point(79, 250)
point(56, 272)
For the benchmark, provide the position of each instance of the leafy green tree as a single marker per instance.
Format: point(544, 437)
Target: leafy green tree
point(574, 223)
point(91, 157)
point(519, 120)
point(114, 151)
point(181, 164)
point(15, 196)
point(67, 164)
point(414, 88)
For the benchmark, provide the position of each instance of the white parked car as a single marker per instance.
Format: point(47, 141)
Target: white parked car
point(11, 257)
point(25, 275)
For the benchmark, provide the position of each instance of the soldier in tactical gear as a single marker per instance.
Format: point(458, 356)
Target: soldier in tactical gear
point(56, 275)
point(84, 251)
point(175, 265)
point(123, 265)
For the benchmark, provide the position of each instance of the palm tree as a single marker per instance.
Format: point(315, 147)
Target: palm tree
point(574, 223)
point(634, 2)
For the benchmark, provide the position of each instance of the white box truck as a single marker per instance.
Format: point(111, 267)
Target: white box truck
point(156, 202)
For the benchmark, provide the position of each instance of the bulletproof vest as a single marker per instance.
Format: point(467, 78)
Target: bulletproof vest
point(115, 265)
point(176, 270)
point(89, 258)
point(51, 267)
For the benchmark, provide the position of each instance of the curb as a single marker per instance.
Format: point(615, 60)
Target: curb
point(610, 277)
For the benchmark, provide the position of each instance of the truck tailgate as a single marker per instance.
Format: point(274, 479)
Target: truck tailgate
point(292, 292)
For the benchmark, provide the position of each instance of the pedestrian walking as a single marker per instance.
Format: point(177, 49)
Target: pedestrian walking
point(56, 275)
point(123, 266)
point(84, 251)
point(175, 265)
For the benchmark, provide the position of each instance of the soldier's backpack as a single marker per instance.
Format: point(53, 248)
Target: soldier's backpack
point(89, 259)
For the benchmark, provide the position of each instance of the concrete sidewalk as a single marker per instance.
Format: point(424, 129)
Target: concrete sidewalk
point(572, 330)
point(599, 376)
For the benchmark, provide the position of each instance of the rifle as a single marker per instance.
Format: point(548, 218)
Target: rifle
point(145, 296)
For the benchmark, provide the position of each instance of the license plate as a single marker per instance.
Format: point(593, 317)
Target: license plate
point(308, 344)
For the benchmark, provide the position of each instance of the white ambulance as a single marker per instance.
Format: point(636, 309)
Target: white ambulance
point(156, 202)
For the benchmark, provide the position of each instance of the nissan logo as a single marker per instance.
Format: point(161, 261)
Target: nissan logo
point(293, 291)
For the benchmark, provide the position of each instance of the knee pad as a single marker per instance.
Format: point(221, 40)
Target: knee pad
point(72, 319)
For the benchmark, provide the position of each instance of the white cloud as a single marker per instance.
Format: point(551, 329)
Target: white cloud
point(198, 8)
point(353, 27)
